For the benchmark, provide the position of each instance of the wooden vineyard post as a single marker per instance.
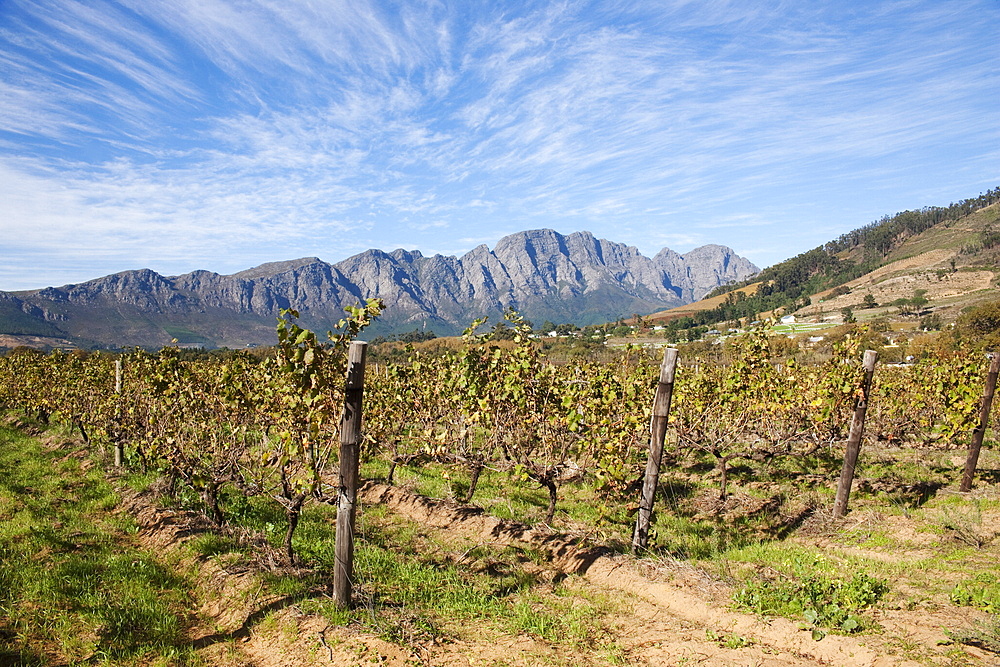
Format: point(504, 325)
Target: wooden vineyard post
point(854, 438)
point(350, 445)
point(118, 391)
point(658, 433)
point(984, 419)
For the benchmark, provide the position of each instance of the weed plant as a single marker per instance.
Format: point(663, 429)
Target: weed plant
point(985, 635)
point(819, 600)
point(982, 590)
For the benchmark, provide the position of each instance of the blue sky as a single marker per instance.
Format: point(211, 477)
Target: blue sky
point(210, 134)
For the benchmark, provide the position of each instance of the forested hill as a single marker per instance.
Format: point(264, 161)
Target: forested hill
point(790, 283)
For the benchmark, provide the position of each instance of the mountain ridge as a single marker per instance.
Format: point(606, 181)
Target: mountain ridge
point(546, 275)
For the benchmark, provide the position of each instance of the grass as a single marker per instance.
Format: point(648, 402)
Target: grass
point(822, 601)
point(985, 635)
point(507, 497)
point(212, 544)
point(605, 517)
point(801, 327)
point(73, 586)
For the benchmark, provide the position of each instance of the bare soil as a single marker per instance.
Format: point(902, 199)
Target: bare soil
point(19, 340)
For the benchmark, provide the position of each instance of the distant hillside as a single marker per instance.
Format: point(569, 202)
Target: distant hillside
point(547, 276)
point(950, 252)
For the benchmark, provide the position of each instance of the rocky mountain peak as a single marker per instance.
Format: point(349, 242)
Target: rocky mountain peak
point(275, 268)
point(542, 273)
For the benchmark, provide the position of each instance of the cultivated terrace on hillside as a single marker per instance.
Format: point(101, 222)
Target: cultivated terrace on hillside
point(916, 249)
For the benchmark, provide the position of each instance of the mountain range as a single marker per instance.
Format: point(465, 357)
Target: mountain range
point(545, 275)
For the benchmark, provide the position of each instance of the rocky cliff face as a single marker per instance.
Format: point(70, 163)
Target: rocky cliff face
point(545, 275)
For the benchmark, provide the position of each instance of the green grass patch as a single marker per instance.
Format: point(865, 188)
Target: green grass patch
point(185, 336)
point(695, 539)
point(72, 586)
point(213, 544)
point(820, 600)
point(985, 635)
point(801, 327)
point(796, 582)
point(982, 590)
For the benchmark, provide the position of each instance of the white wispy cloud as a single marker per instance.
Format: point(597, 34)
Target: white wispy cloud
point(156, 132)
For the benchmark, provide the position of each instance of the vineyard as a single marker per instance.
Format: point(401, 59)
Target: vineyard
point(752, 449)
